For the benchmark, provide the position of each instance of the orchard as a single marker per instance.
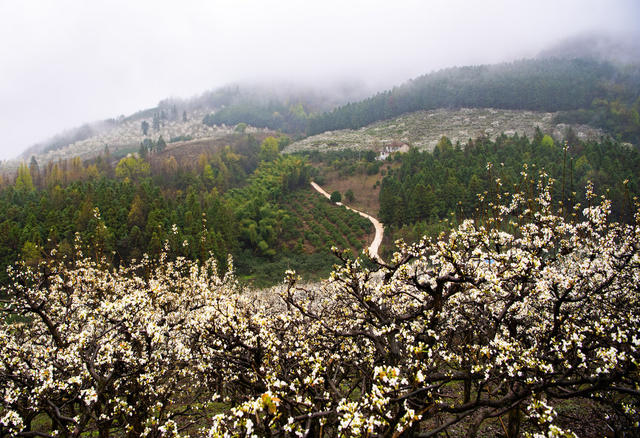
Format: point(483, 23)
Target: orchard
point(501, 326)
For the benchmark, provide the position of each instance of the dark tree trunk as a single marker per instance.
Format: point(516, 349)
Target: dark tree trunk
point(513, 427)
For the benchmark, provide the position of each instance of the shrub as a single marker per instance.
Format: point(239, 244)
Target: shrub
point(349, 196)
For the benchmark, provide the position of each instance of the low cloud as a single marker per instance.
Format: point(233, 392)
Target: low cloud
point(69, 62)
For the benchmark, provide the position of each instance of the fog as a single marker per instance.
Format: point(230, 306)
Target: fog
point(67, 62)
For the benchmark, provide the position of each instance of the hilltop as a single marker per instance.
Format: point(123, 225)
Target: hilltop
point(592, 95)
point(127, 135)
point(582, 91)
point(177, 119)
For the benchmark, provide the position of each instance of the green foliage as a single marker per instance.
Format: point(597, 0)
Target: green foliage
point(156, 121)
point(430, 187)
point(268, 149)
point(349, 196)
point(119, 220)
point(309, 226)
point(257, 204)
point(444, 145)
point(539, 84)
point(547, 141)
point(347, 162)
point(125, 217)
point(160, 144)
point(30, 253)
point(617, 113)
point(132, 169)
point(180, 138)
point(24, 182)
point(274, 115)
point(336, 196)
point(34, 170)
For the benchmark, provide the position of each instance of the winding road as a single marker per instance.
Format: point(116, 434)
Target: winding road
point(377, 240)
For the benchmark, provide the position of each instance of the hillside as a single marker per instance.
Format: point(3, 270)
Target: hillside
point(199, 117)
point(201, 197)
point(125, 137)
point(608, 94)
point(553, 91)
point(533, 301)
point(423, 129)
point(146, 268)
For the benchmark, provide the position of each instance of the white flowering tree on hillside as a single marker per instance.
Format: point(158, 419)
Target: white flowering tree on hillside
point(103, 350)
point(495, 328)
point(490, 326)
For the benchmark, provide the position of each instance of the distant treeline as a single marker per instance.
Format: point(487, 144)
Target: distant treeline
point(583, 91)
point(428, 187)
point(273, 115)
point(541, 85)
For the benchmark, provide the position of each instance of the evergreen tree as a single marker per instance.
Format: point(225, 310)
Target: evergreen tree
point(161, 144)
point(156, 122)
point(34, 170)
point(421, 203)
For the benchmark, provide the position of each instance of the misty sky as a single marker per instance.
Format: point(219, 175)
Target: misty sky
point(66, 62)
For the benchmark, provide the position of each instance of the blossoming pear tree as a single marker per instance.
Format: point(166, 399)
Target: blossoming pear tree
point(90, 348)
point(495, 326)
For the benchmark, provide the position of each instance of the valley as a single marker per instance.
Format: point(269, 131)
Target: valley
point(456, 256)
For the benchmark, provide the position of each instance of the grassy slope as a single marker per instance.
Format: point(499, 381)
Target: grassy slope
point(366, 192)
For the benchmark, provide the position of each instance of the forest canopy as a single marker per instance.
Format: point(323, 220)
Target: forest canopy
point(583, 90)
point(430, 186)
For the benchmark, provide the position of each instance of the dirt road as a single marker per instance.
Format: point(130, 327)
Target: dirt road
point(377, 240)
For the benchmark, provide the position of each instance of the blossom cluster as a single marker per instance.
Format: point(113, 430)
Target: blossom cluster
point(493, 323)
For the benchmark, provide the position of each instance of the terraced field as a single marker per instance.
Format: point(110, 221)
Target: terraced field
point(315, 226)
point(323, 224)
